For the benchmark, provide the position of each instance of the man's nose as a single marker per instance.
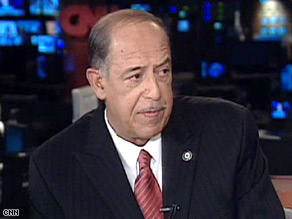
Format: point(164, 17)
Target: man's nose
point(152, 89)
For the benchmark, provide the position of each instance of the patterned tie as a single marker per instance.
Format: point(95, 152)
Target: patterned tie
point(147, 190)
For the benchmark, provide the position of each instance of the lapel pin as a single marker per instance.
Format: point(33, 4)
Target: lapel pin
point(187, 156)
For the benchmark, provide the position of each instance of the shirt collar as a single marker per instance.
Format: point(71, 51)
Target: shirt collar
point(129, 151)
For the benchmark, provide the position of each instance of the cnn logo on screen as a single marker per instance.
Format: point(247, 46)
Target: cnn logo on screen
point(10, 212)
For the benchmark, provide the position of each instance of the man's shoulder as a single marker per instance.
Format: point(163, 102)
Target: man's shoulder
point(210, 112)
point(206, 105)
point(70, 139)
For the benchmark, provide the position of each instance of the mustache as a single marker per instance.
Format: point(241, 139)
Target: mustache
point(152, 109)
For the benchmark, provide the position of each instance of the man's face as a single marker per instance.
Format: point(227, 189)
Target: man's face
point(138, 90)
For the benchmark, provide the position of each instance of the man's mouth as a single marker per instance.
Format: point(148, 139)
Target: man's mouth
point(152, 112)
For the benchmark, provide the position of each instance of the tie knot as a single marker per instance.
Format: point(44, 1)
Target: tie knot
point(144, 159)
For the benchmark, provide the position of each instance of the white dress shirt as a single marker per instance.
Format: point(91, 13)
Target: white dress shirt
point(129, 154)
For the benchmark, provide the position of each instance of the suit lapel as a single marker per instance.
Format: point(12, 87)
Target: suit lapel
point(102, 164)
point(178, 175)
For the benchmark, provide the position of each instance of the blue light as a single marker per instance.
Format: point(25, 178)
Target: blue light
point(204, 70)
point(280, 110)
point(8, 28)
point(174, 9)
point(265, 32)
point(273, 31)
point(274, 20)
point(141, 7)
point(208, 18)
point(45, 7)
point(286, 78)
point(217, 70)
point(218, 26)
point(14, 140)
point(12, 8)
point(61, 44)
point(283, 20)
point(11, 41)
point(283, 31)
point(9, 35)
point(182, 14)
point(265, 21)
point(30, 26)
point(287, 105)
point(208, 12)
point(183, 26)
point(42, 67)
point(47, 44)
point(34, 40)
point(208, 5)
point(212, 70)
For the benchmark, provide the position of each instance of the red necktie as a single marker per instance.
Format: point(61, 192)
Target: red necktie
point(147, 190)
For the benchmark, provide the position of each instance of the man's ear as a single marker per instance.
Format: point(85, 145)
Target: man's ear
point(96, 80)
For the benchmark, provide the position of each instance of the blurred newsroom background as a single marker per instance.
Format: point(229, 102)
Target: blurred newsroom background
point(239, 50)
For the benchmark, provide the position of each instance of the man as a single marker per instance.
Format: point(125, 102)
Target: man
point(200, 155)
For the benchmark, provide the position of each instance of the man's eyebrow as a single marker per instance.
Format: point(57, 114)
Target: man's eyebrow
point(131, 69)
point(165, 61)
point(135, 68)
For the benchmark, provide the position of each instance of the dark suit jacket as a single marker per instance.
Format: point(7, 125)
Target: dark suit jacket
point(78, 173)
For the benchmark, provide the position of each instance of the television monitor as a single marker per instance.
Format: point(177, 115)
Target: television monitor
point(9, 35)
point(30, 26)
point(142, 7)
point(84, 100)
point(35, 7)
point(15, 139)
point(286, 78)
point(34, 40)
point(8, 28)
point(51, 7)
point(13, 8)
point(49, 69)
point(46, 44)
point(19, 108)
point(272, 33)
point(12, 66)
point(256, 57)
point(281, 110)
point(42, 67)
point(11, 41)
point(45, 7)
point(213, 70)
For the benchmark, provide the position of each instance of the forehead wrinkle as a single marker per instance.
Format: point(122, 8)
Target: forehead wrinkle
point(128, 51)
point(121, 45)
point(139, 57)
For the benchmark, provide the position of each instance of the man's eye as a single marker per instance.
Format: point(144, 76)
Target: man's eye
point(164, 72)
point(135, 77)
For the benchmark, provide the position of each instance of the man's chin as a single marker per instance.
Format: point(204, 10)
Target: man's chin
point(149, 134)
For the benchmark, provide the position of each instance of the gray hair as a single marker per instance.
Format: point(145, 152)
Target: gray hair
point(100, 35)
